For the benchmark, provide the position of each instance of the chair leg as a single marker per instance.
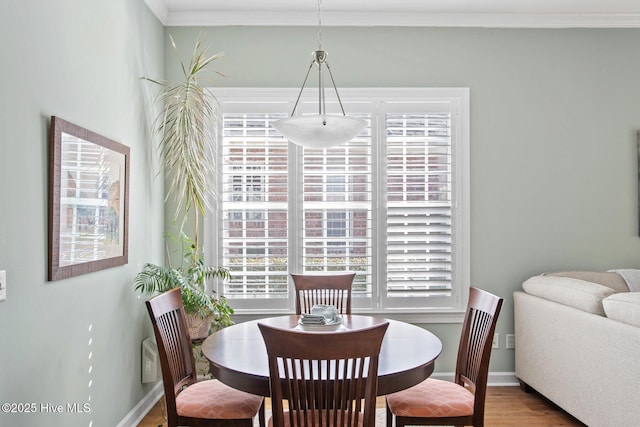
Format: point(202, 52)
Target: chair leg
point(261, 415)
point(389, 415)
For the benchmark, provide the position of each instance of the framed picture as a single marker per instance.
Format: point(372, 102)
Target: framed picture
point(88, 201)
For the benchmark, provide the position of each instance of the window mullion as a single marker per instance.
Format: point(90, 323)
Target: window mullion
point(295, 213)
point(378, 211)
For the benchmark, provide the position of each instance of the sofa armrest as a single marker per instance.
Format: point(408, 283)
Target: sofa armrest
point(576, 293)
point(584, 363)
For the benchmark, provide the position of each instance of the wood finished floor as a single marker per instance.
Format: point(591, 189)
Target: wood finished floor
point(505, 407)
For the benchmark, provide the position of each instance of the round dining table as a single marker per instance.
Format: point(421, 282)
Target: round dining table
point(238, 357)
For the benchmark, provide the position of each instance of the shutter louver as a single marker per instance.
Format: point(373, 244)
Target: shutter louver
point(337, 210)
point(255, 211)
point(418, 204)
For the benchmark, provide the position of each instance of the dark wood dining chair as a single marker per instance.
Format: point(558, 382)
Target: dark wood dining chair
point(190, 402)
point(458, 403)
point(329, 379)
point(332, 289)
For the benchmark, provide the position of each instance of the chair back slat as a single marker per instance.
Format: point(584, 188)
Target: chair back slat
point(474, 351)
point(174, 343)
point(328, 379)
point(330, 289)
point(178, 353)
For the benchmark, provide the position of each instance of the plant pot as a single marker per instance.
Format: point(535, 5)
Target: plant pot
point(198, 327)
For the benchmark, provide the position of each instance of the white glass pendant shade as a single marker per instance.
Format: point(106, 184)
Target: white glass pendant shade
point(320, 131)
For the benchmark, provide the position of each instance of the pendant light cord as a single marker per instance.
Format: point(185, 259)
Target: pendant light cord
point(319, 61)
point(319, 24)
point(321, 104)
point(334, 130)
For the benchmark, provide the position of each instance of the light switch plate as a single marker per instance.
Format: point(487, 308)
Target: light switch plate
point(3, 285)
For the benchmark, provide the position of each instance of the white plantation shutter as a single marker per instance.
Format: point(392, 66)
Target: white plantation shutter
point(254, 203)
point(391, 205)
point(337, 210)
point(418, 204)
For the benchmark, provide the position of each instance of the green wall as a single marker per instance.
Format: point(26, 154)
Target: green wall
point(554, 115)
point(76, 340)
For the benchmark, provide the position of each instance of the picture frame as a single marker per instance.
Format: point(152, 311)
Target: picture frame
point(88, 201)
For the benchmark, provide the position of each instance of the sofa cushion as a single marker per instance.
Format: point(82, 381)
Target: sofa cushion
point(580, 294)
point(631, 276)
point(609, 279)
point(623, 307)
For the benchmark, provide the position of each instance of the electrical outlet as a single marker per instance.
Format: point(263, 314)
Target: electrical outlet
point(496, 341)
point(3, 285)
point(511, 341)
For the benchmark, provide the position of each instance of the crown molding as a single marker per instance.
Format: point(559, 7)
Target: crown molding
point(159, 9)
point(387, 19)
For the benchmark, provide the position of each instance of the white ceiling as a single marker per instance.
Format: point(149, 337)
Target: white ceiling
point(474, 13)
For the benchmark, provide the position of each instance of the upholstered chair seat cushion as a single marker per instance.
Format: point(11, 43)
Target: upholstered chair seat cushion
point(212, 399)
point(287, 423)
point(432, 399)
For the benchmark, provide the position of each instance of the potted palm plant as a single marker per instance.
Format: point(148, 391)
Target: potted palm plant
point(186, 148)
point(205, 312)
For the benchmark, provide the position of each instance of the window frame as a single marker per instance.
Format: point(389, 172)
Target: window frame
point(382, 100)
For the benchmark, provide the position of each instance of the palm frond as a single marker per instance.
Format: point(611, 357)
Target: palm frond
point(195, 300)
point(211, 272)
point(185, 144)
point(154, 279)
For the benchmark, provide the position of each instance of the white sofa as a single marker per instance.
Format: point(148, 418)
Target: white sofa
point(578, 344)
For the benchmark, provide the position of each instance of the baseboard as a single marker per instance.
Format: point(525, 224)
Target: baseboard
point(495, 378)
point(143, 407)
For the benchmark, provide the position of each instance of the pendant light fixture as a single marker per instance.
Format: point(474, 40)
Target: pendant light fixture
point(320, 130)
